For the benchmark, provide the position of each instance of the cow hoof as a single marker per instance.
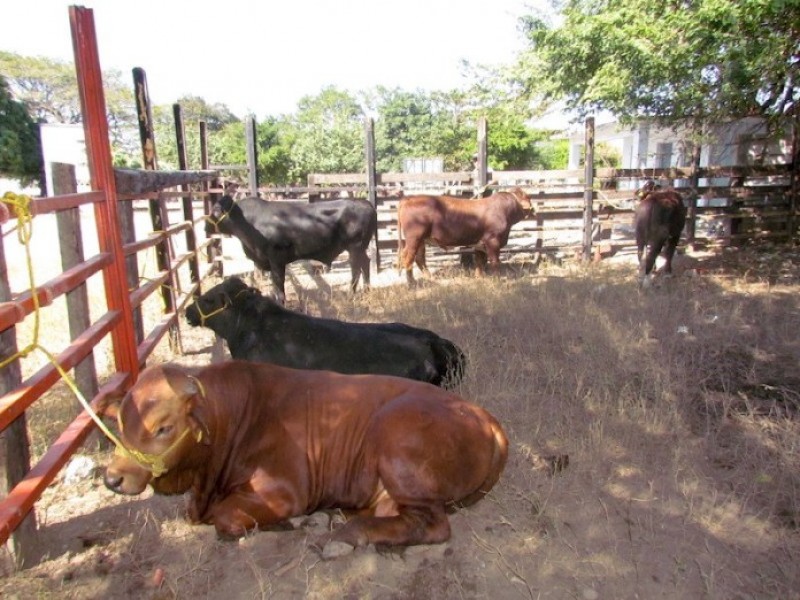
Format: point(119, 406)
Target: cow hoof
point(334, 549)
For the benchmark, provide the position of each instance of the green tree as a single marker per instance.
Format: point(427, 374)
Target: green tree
point(194, 109)
point(49, 90)
point(328, 134)
point(692, 61)
point(20, 150)
point(402, 128)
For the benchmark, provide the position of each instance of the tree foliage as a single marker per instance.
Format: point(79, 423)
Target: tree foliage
point(20, 152)
point(327, 133)
point(194, 109)
point(679, 60)
point(49, 90)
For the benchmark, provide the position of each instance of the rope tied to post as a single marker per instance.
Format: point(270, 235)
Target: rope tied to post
point(20, 205)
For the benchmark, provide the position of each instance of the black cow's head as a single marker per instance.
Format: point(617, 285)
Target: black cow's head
point(216, 300)
point(220, 212)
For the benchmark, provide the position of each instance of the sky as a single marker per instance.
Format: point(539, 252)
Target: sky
point(262, 57)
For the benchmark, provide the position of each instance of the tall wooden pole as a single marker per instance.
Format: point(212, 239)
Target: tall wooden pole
point(186, 199)
point(588, 189)
point(482, 164)
point(70, 240)
point(372, 184)
point(15, 451)
point(158, 215)
point(252, 154)
point(694, 182)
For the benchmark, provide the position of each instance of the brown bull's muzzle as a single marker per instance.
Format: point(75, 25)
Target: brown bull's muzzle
point(126, 477)
point(131, 470)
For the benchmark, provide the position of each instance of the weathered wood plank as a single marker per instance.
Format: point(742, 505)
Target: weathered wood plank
point(139, 181)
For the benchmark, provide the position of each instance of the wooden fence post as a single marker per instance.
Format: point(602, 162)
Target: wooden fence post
point(158, 211)
point(70, 241)
point(588, 189)
point(481, 172)
point(186, 199)
point(14, 444)
point(215, 248)
point(694, 182)
point(372, 185)
point(794, 188)
point(252, 154)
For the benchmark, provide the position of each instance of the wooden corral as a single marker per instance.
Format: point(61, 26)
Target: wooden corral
point(731, 205)
point(586, 212)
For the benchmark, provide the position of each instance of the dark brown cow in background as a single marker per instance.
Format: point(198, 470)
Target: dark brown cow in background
point(449, 221)
point(659, 221)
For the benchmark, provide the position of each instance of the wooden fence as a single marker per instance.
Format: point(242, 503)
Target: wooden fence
point(586, 212)
point(594, 218)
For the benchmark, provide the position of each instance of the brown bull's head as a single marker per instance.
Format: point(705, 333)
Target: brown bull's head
point(160, 426)
point(522, 199)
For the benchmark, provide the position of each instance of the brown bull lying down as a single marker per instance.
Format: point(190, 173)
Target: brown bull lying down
point(659, 221)
point(449, 221)
point(256, 444)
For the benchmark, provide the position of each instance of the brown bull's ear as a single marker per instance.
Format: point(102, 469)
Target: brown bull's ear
point(196, 410)
point(109, 405)
point(190, 390)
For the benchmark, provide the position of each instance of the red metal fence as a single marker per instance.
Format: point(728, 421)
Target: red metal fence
point(123, 290)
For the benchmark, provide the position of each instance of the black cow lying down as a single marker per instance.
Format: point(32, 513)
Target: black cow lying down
point(257, 328)
point(276, 233)
point(660, 217)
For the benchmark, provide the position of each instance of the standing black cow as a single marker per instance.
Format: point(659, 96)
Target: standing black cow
point(258, 329)
point(660, 217)
point(274, 234)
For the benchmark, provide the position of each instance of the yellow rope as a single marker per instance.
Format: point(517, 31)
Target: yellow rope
point(20, 204)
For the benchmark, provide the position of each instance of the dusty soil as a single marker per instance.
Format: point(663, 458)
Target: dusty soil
point(656, 497)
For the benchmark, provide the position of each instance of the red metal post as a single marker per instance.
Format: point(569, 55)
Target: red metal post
point(98, 148)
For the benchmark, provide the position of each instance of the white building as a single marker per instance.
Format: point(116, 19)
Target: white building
point(648, 146)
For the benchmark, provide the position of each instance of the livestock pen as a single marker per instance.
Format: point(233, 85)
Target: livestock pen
point(576, 212)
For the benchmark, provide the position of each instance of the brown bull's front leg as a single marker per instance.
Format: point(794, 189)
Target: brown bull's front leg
point(245, 511)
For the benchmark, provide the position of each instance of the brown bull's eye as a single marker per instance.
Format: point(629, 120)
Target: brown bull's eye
point(164, 430)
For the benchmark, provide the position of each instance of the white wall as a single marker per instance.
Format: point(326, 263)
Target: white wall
point(62, 143)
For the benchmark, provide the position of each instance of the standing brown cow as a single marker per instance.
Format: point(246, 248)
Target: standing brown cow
point(256, 444)
point(448, 221)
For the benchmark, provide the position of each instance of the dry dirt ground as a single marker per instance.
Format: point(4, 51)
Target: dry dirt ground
point(623, 481)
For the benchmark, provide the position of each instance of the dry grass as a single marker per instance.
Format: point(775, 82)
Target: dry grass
point(676, 406)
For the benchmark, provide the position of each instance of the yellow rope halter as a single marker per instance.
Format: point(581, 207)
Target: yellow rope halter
point(155, 463)
point(216, 311)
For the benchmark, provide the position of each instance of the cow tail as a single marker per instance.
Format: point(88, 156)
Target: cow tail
point(399, 238)
point(451, 361)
